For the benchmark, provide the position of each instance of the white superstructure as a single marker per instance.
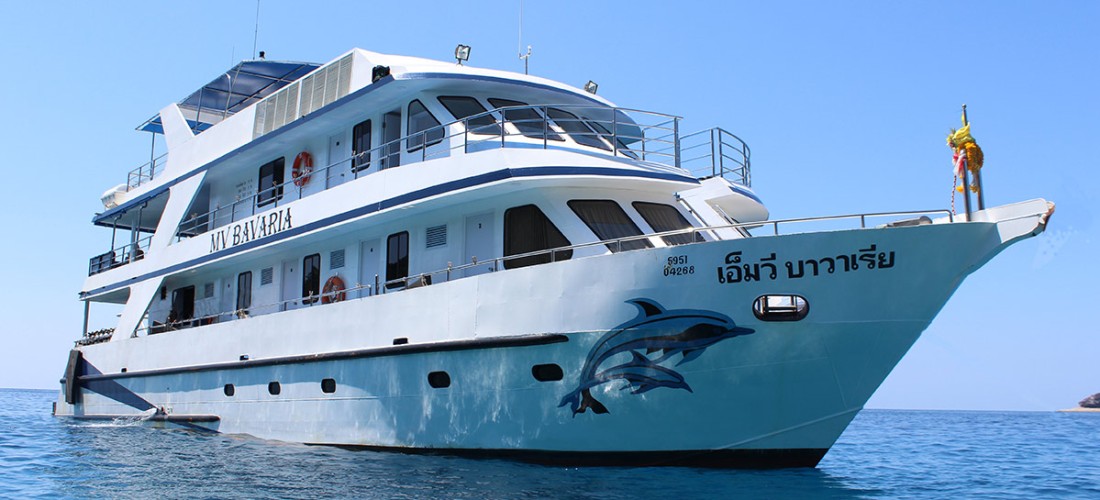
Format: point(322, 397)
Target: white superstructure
point(398, 253)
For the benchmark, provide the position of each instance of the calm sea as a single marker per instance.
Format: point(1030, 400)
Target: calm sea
point(883, 454)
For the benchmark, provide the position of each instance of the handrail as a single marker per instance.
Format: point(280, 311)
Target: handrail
point(124, 254)
point(598, 134)
point(146, 172)
point(497, 263)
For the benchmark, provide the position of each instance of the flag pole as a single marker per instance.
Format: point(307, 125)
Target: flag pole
point(966, 172)
point(977, 174)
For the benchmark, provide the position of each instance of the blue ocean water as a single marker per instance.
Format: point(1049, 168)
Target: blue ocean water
point(883, 454)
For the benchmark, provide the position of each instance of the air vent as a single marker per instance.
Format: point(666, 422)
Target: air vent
point(336, 259)
point(436, 236)
point(320, 88)
point(208, 290)
point(267, 275)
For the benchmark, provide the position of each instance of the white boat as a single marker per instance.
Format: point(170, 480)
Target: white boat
point(404, 254)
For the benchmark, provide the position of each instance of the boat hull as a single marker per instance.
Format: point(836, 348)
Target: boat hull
point(624, 328)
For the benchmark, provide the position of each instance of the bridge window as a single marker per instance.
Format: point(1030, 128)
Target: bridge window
point(577, 129)
point(527, 229)
point(463, 107)
point(270, 187)
point(529, 122)
point(608, 220)
point(664, 218)
point(421, 120)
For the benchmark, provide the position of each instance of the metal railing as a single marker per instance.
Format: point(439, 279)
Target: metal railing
point(716, 153)
point(615, 245)
point(130, 252)
point(146, 172)
point(643, 136)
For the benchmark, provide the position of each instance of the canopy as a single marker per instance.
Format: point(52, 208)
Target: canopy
point(232, 91)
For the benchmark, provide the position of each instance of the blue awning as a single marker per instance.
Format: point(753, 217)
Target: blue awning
point(232, 91)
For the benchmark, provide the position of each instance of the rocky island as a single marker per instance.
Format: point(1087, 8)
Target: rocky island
point(1089, 404)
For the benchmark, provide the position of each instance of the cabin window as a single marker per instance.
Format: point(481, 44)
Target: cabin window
point(780, 307)
point(546, 373)
point(577, 129)
point(274, 388)
point(391, 139)
point(529, 122)
point(608, 220)
point(244, 292)
point(270, 187)
point(229, 390)
point(664, 218)
point(311, 278)
point(421, 120)
point(328, 386)
point(397, 259)
point(360, 146)
point(183, 307)
point(527, 229)
point(462, 107)
point(439, 380)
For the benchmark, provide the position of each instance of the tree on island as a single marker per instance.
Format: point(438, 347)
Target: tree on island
point(1091, 401)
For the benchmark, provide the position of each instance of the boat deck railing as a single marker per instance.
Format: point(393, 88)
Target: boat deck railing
point(146, 172)
point(647, 138)
point(687, 236)
point(118, 256)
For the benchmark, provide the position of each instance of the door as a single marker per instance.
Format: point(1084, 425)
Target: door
point(391, 132)
point(479, 243)
point(338, 150)
point(292, 285)
point(370, 254)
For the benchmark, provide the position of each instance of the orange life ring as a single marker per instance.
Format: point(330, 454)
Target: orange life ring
point(333, 290)
point(303, 166)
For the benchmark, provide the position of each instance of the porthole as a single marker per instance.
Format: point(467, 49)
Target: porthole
point(780, 307)
point(273, 388)
point(229, 390)
point(328, 386)
point(439, 380)
point(546, 373)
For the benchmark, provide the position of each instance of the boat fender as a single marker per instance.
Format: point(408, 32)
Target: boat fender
point(303, 166)
point(333, 290)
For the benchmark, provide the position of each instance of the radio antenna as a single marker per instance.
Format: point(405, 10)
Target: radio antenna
point(519, 43)
point(256, 34)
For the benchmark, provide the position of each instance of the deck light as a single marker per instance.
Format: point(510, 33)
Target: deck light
point(462, 53)
point(591, 87)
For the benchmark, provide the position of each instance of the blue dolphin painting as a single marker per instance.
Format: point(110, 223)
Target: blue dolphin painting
point(688, 332)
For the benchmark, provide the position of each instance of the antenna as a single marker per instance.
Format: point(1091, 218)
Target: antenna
point(519, 43)
point(256, 34)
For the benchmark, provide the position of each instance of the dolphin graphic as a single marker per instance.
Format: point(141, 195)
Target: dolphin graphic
point(688, 332)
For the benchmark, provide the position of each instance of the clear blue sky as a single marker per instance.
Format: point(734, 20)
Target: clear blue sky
point(845, 106)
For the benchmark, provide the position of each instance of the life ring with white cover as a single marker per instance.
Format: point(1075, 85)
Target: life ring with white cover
point(333, 290)
point(303, 166)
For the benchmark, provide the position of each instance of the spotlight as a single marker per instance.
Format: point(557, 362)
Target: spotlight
point(591, 87)
point(462, 53)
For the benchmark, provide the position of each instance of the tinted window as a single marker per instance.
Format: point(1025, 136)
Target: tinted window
point(420, 120)
point(527, 229)
point(546, 373)
point(397, 258)
point(270, 187)
point(527, 120)
point(462, 107)
point(229, 390)
point(244, 292)
point(360, 146)
point(577, 129)
point(608, 220)
point(666, 218)
point(439, 380)
point(273, 388)
point(328, 386)
point(311, 277)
